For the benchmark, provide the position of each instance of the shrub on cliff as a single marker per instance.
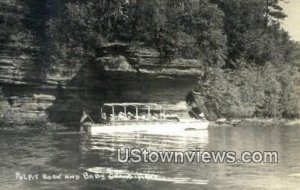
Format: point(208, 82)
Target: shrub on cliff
point(265, 91)
point(258, 77)
point(245, 34)
point(178, 29)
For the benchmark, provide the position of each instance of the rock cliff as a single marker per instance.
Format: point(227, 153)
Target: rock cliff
point(34, 89)
point(120, 73)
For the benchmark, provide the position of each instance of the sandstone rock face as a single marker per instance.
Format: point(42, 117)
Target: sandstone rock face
point(138, 75)
point(122, 76)
point(32, 89)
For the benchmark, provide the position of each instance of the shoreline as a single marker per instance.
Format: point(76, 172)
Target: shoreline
point(222, 122)
point(260, 122)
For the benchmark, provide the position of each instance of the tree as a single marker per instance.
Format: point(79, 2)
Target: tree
point(274, 11)
point(253, 31)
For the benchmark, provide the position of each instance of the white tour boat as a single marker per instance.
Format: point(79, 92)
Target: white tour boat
point(140, 118)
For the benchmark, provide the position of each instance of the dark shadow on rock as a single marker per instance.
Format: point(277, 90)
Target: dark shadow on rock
point(85, 91)
point(91, 87)
point(113, 77)
point(37, 14)
point(197, 105)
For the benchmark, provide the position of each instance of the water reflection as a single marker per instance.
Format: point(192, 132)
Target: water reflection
point(73, 153)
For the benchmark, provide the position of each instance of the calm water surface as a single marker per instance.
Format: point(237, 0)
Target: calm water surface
point(67, 152)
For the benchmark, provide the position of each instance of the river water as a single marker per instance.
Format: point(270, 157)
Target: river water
point(50, 153)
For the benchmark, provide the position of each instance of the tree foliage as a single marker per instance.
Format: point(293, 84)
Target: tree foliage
point(177, 28)
point(244, 36)
point(254, 32)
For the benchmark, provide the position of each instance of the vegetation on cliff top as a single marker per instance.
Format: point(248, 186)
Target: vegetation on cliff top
point(249, 59)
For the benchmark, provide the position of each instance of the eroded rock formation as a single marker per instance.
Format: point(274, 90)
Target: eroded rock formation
point(120, 73)
point(34, 90)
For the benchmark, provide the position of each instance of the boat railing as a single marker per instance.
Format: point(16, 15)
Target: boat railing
point(137, 122)
point(126, 116)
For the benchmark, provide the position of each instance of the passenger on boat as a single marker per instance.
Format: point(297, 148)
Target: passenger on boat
point(122, 116)
point(104, 117)
point(201, 115)
point(111, 117)
point(143, 116)
point(155, 117)
point(130, 115)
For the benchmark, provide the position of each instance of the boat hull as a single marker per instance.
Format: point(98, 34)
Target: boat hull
point(170, 128)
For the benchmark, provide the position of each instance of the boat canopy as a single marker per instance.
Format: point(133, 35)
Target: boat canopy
point(131, 104)
point(148, 106)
